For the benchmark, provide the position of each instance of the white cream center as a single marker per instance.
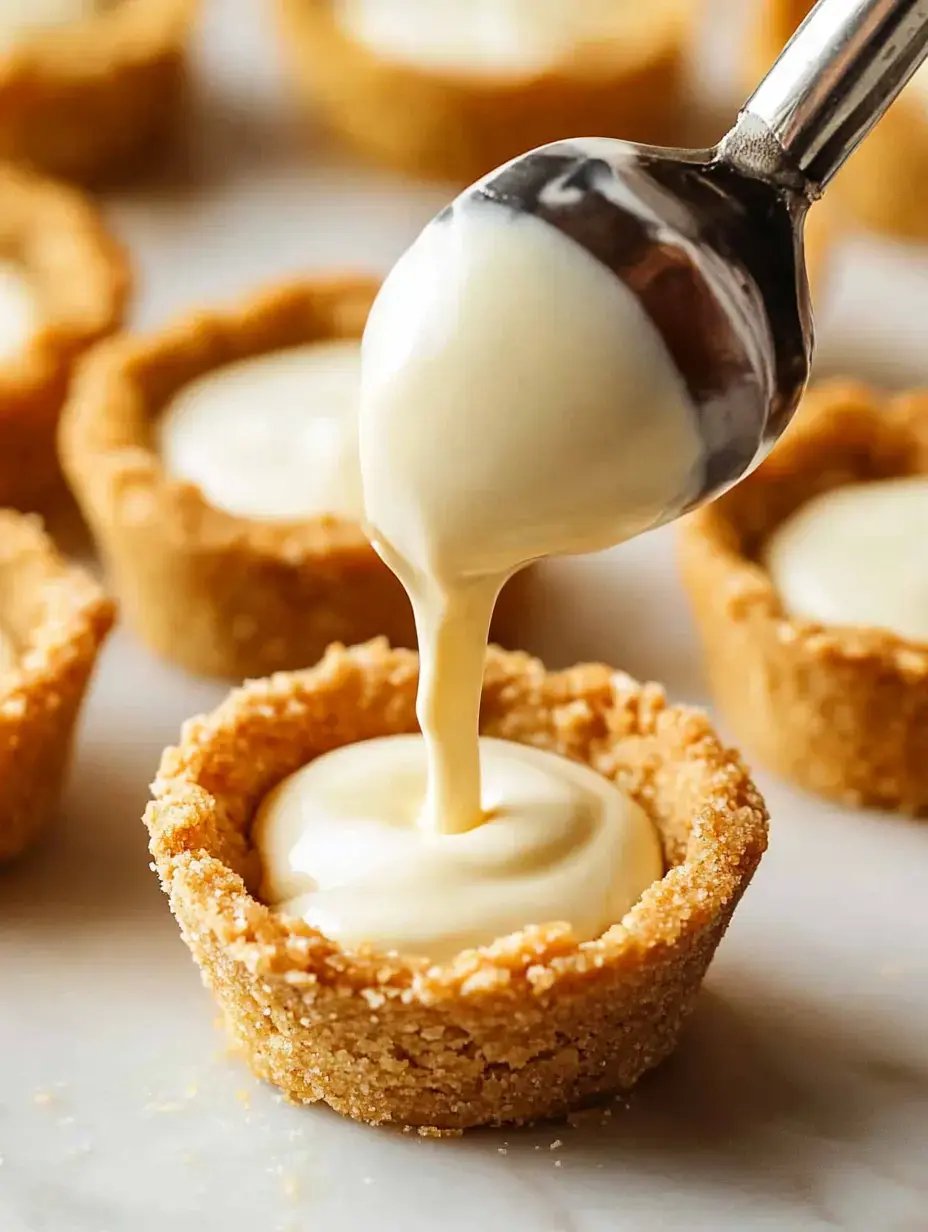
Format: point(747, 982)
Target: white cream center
point(858, 556)
point(275, 437)
point(501, 37)
point(353, 860)
point(19, 18)
point(19, 310)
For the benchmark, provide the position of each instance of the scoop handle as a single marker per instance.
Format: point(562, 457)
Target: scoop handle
point(839, 73)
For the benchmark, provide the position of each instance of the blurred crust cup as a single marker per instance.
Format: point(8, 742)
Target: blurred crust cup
point(451, 95)
point(221, 593)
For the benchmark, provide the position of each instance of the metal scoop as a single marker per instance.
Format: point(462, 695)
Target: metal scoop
point(712, 240)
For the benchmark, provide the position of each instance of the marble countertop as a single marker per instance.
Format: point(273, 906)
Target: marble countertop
point(799, 1096)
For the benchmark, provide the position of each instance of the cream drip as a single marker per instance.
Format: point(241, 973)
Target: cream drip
point(500, 38)
point(342, 847)
point(274, 437)
point(857, 556)
point(516, 402)
point(19, 312)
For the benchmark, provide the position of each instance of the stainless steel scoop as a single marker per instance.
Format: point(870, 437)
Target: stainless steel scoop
point(711, 241)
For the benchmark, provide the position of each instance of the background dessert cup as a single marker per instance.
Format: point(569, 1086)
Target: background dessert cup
point(444, 120)
point(528, 1027)
point(70, 280)
point(53, 620)
point(86, 98)
point(841, 710)
point(220, 593)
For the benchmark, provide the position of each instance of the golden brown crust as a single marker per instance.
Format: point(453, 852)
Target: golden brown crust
point(526, 1028)
point(885, 184)
point(56, 617)
point(220, 594)
point(449, 126)
point(80, 278)
point(842, 711)
point(84, 100)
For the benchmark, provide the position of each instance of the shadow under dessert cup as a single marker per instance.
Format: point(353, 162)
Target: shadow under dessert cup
point(86, 86)
point(840, 708)
point(528, 1027)
point(884, 185)
point(63, 285)
point(53, 620)
point(450, 94)
point(222, 592)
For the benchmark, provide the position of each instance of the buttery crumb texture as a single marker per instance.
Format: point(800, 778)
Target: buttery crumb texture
point(55, 618)
point(841, 710)
point(529, 1027)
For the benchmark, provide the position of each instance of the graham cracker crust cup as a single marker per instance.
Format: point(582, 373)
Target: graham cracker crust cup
point(84, 100)
point(53, 621)
point(527, 1028)
point(459, 125)
point(884, 185)
point(80, 278)
point(220, 594)
point(842, 711)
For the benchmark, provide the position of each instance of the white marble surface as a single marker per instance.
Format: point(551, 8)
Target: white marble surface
point(799, 1097)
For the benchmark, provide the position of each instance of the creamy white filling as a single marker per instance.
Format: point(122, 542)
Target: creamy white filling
point(273, 437)
point(20, 18)
point(517, 402)
point(343, 846)
point(19, 310)
point(499, 37)
point(858, 556)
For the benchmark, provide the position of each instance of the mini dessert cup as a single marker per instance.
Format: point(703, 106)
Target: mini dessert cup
point(222, 594)
point(85, 99)
point(842, 711)
point(885, 184)
point(53, 620)
point(78, 278)
point(529, 1027)
point(458, 124)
